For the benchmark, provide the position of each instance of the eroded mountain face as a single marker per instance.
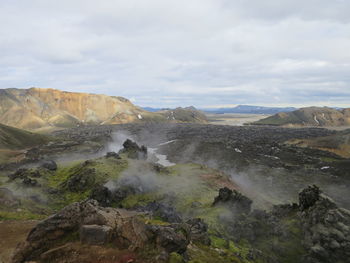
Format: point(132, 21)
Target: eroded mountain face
point(37, 108)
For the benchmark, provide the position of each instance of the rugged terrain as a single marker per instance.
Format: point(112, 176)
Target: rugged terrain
point(310, 116)
point(193, 193)
point(43, 109)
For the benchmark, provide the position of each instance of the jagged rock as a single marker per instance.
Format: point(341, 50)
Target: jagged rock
point(50, 165)
point(98, 225)
point(134, 151)
point(235, 200)
point(20, 173)
point(198, 231)
point(326, 227)
point(112, 155)
point(102, 195)
point(165, 212)
point(308, 197)
point(95, 234)
point(170, 238)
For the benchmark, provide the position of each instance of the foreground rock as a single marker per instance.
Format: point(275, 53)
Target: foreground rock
point(97, 225)
point(326, 227)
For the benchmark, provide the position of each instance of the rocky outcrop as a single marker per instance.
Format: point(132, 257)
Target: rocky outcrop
point(133, 151)
point(97, 225)
point(326, 227)
point(237, 202)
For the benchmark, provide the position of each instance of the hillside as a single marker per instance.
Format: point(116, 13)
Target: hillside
point(188, 114)
point(338, 143)
point(13, 140)
point(310, 116)
point(36, 108)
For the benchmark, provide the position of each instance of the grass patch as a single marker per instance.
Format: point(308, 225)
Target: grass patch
point(23, 215)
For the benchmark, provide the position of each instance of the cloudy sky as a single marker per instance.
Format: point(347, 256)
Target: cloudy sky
point(184, 52)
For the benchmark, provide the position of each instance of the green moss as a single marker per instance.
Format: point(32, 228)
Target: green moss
point(137, 200)
point(175, 258)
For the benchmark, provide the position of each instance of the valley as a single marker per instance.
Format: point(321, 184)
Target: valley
point(171, 182)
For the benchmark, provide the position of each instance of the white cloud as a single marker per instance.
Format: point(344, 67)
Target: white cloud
point(170, 53)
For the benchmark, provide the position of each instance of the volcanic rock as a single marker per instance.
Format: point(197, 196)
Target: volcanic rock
point(99, 225)
point(50, 165)
point(134, 151)
point(234, 199)
point(326, 227)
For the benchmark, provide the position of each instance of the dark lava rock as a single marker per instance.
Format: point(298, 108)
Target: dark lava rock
point(165, 212)
point(326, 227)
point(308, 197)
point(133, 150)
point(112, 155)
point(20, 173)
point(199, 231)
point(50, 165)
point(100, 225)
point(102, 195)
point(30, 182)
point(233, 199)
point(170, 238)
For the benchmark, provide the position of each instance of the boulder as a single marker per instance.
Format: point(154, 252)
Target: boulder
point(112, 155)
point(50, 165)
point(95, 234)
point(98, 225)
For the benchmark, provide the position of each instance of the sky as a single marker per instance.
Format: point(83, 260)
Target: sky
point(161, 53)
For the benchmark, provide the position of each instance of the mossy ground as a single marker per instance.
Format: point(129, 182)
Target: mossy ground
point(191, 188)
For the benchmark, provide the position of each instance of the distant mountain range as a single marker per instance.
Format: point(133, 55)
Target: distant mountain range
point(249, 109)
point(36, 108)
point(309, 116)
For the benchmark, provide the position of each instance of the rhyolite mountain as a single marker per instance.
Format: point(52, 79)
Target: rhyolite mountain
point(309, 116)
point(37, 108)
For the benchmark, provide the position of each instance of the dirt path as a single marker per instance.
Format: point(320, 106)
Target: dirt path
point(11, 233)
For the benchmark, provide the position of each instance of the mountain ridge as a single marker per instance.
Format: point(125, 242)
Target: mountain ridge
point(309, 116)
point(38, 108)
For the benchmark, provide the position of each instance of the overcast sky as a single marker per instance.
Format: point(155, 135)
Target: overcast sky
point(166, 53)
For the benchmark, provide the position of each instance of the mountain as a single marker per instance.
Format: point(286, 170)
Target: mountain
point(309, 116)
point(249, 109)
point(37, 108)
point(188, 114)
